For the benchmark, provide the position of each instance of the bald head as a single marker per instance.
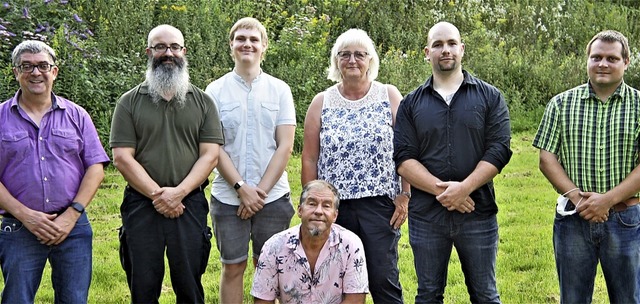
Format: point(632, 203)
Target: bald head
point(443, 28)
point(163, 31)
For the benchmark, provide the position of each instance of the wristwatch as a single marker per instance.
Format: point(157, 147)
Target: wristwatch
point(238, 185)
point(77, 207)
point(406, 193)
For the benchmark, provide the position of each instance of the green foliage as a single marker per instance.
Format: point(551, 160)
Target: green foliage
point(531, 49)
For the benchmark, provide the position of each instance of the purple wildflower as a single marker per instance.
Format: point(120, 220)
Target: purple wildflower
point(25, 13)
point(77, 18)
point(47, 1)
point(90, 32)
point(83, 36)
point(64, 1)
point(5, 5)
point(2, 27)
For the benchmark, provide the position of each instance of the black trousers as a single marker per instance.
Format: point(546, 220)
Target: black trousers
point(144, 236)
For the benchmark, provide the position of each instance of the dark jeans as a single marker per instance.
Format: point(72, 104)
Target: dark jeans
point(23, 259)
point(144, 236)
point(475, 240)
point(369, 218)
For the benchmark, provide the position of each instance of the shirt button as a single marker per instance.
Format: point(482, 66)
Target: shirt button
point(45, 179)
point(47, 200)
point(42, 158)
point(40, 138)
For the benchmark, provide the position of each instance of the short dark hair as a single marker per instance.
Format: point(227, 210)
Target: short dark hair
point(611, 36)
point(319, 184)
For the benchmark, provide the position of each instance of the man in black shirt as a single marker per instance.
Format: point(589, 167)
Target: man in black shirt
point(451, 138)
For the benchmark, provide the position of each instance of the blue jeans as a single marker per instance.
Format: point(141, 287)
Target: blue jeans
point(475, 240)
point(579, 245)
point(23, 259)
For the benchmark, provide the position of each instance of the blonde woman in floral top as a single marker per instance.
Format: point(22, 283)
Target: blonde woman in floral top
point(348, 142)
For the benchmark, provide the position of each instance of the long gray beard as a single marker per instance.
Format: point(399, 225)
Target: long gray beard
point(167, 80)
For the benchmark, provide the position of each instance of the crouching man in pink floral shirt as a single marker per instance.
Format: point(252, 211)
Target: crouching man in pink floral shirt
point(314, 262)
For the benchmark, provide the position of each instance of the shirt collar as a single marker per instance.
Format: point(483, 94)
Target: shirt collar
point(620, 91)
point(56, 102)
point(294, 240)
point(468, 79)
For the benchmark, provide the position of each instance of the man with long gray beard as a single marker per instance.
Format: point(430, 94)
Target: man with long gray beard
point(165, 138)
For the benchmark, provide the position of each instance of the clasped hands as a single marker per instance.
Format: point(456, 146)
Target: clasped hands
point(455, 196)
point(168, 201)
point(593, 207)
point(251, 201)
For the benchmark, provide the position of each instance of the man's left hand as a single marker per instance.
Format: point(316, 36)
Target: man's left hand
point(455, 197)
point(594, 207)
point(168, 201)
point(66, 221)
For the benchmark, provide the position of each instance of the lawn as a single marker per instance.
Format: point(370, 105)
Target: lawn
point(525, 266)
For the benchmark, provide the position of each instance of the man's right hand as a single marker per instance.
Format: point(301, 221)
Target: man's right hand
point(251, 201)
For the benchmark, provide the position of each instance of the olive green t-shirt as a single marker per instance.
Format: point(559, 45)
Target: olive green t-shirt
point(165, 136)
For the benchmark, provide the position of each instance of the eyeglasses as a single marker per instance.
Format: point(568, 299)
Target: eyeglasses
point(346, 55)
point(163, 47)
point(43, 67)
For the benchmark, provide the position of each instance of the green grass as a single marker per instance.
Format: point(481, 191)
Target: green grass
point(525, 266)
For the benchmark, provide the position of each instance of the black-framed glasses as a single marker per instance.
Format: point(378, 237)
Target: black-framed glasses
point(163, 47)
point(346, 55)
point(43, 67)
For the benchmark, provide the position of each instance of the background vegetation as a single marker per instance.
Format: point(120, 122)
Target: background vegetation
point(530, 49)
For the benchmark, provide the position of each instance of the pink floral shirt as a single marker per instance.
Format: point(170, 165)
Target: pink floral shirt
point(283, 271)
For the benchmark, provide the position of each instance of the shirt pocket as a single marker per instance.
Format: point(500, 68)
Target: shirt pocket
point(64, 142)
point(16, 145)
point(268, 114)
point(474, 116)
point(230, 117)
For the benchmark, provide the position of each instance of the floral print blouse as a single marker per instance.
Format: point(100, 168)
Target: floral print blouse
point(356, 144)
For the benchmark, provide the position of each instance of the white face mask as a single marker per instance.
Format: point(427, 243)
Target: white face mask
point(565, 207)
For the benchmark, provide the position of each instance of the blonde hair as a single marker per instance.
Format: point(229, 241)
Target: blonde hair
point(355, 37)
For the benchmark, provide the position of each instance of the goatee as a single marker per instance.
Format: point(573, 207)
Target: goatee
point(168, 76)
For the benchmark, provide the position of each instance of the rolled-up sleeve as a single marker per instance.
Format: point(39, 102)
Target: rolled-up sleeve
point(498, 134)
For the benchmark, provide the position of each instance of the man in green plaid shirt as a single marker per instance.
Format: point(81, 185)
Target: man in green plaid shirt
point(588, 141)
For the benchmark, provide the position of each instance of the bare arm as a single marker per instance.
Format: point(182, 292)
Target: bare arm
point(285, 135)
point(168, 200)
point(419, 177)
point(311, 145)
point(89, 185)
point(401, 201)
point(133, 172)
point(353, 298)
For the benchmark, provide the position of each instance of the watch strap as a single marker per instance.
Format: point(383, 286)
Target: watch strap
point(77, 207)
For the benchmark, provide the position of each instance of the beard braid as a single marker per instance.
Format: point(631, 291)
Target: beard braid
point(168, 79)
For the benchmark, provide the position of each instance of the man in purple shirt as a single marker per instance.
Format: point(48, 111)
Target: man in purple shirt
point(51, 164)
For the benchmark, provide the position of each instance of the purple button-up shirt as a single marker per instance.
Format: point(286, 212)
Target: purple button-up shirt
point(42, 167)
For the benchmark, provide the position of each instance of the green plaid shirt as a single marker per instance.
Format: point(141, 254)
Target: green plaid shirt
point(596, 142)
